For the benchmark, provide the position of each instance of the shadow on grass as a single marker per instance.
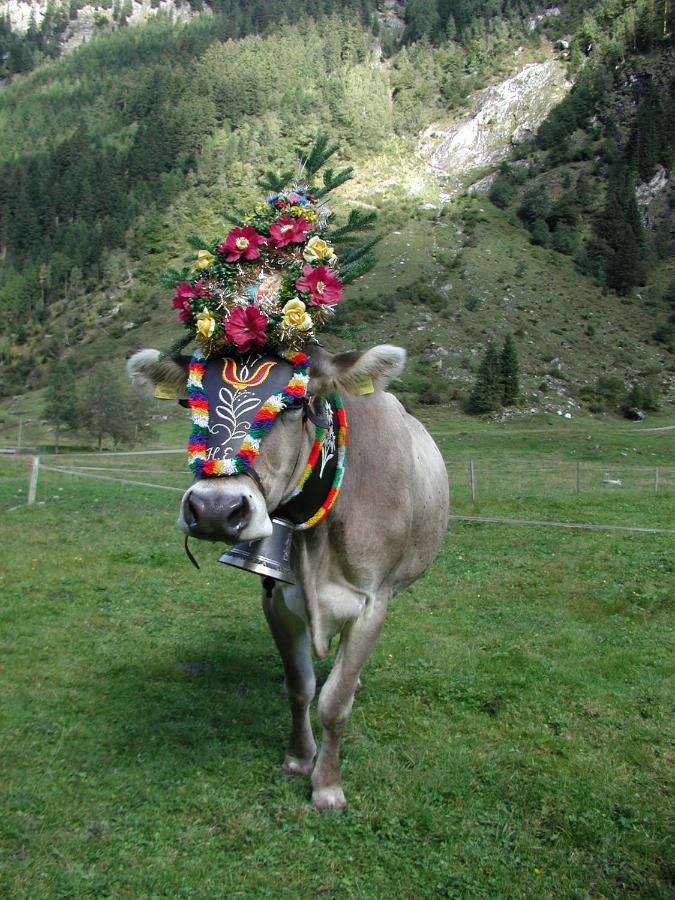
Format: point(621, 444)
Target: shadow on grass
point(201, 705)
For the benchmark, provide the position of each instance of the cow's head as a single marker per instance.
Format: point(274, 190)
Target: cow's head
point(238, 507)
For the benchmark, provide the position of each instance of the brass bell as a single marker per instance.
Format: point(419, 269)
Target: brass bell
point(269, 556)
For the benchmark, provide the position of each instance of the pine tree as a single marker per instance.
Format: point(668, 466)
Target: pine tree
point(487, 391)
point(508, 372)
point(61, 400)
point(621, 228)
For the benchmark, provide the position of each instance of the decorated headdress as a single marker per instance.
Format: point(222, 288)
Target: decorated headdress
point(253, 302)
point(276, 277)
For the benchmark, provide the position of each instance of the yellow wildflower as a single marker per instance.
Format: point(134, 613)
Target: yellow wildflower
point(206, 325)
point(317, 250)
point(297, 211)
point(204, 260)
point(295, 315)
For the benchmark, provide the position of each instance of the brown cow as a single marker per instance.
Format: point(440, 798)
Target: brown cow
point(383, 532)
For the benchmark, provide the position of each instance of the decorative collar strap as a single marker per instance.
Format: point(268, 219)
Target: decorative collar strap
point(317, 490)
point(242, 461)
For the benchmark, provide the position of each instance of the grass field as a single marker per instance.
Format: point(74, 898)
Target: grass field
point(512, 738)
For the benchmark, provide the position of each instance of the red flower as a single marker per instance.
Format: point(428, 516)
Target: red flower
point(246, 328)
point(322, 283)
point(287, 230)
point(184, 293)
point(242, 242)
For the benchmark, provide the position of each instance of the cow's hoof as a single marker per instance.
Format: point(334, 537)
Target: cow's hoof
point(328, 798)
point(292, 765)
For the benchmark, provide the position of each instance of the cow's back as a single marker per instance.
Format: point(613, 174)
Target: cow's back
point(392, 514)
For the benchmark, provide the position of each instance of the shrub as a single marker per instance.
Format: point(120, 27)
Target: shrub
point(609, 387)
point(644, 396)
point(540, 233)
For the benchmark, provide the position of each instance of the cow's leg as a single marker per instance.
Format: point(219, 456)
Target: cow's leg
point(335, 702)
point(291, 636)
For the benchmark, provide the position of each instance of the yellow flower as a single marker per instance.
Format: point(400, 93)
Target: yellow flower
point(317, 250)
point(204, 260)
point(295, 314)
point(205, 325)
point(297, 211)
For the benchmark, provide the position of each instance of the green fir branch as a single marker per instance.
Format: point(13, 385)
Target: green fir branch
point(357, 221)
point(351, 255)
point(170, 277)
point(359, 267)
point(197, 243)
point(234, 218)
point(273, 182)
point(332, 181)
point(317, 157)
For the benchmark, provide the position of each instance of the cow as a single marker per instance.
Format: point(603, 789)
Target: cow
point(381, 535)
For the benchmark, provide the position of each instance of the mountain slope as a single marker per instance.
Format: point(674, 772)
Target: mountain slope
point(114, 158)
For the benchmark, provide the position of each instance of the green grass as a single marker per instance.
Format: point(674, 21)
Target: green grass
point(511, 738)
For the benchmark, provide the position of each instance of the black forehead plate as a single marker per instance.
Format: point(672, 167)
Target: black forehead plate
point(236, 387)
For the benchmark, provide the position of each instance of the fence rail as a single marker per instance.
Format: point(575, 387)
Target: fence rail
point(510, 487)
point(478, 480)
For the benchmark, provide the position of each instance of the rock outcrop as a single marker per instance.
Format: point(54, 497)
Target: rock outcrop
point(501, 115)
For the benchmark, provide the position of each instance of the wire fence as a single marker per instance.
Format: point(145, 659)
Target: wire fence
point(518, 490)
point(477, 480)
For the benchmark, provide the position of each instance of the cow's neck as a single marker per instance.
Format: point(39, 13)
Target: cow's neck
point(319, 470)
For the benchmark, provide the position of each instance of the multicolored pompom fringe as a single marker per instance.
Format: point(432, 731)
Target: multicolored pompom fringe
point(250, 448)
point(239, 464)
point(341, 443)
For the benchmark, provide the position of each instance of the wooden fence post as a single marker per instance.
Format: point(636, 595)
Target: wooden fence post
point(472, 476)
point(656, 481)
point(32, 488)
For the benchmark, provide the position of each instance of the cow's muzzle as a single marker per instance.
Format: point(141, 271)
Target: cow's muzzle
point(220, 510)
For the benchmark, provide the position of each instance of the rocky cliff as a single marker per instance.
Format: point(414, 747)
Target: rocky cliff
point(501, 115)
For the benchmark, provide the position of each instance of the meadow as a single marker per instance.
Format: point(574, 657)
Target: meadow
point(512, 737)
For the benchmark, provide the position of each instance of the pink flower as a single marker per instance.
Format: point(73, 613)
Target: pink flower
point(242, 242)
point(322, 283)
point(287, 230)
point(184, 293)
point(246, 328)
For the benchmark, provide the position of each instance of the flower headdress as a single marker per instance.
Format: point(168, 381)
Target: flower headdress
point(275, 278)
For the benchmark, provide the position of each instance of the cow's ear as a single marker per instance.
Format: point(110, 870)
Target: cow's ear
point(354, 372)
point(150, 370)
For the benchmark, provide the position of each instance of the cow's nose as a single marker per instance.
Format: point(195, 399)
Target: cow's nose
point(217, 519)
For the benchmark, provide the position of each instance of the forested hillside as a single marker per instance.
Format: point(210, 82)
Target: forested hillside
point(112, 153)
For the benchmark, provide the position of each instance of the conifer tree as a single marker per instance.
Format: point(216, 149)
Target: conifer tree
point(508, 372)
point(487, 391)
point(621, 228)
point(61, 400)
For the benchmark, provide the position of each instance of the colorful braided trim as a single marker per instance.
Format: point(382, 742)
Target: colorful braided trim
point(341, 443)
point(242, 461)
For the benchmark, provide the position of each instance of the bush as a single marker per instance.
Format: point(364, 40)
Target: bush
point(502, 191)
point(566, 239)
point(644, 396)
point(664, 333)
point(540, 233)
point(610, 387)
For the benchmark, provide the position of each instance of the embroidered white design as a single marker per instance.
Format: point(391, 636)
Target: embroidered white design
point(328, 446)
point(232, 416)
